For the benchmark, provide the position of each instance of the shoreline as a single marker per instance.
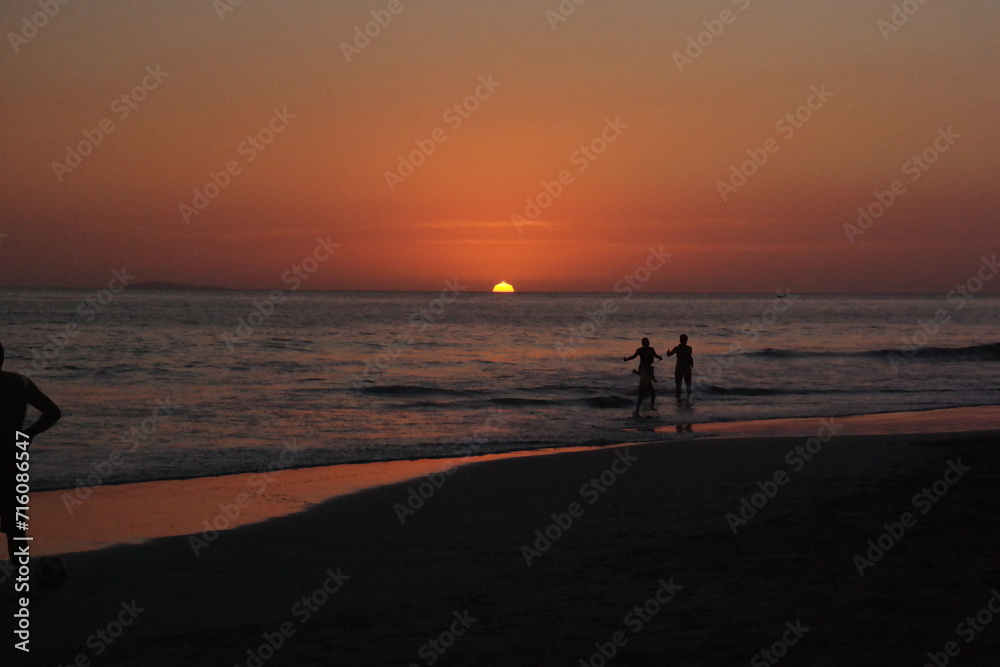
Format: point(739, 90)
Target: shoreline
point(550, 569)
point(136, 512)
point(930, 420)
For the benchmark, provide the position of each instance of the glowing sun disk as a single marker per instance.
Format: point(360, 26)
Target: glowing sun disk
point(503, 286)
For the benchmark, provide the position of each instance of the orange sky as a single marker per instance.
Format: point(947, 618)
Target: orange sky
point(892, 93)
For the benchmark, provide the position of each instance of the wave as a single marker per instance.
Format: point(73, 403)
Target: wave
point(415, 390)
point(565, 387)
point(479, 398)
point(716, 390)
point(988, 352)
point(783, 354)
point(985, 352)
point(513, 400)
point(423, 397)
point(608, 402)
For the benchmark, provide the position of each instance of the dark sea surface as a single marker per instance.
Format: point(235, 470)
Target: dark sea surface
point(174, 384)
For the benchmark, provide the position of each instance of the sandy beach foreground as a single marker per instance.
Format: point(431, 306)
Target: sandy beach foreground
point(823, 550)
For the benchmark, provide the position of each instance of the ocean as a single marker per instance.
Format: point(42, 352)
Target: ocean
point(178, 384)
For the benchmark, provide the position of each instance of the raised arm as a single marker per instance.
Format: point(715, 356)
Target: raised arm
point(671, 352)
point(50, 411)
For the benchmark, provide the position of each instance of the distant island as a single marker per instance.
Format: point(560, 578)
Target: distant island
point(152, 285)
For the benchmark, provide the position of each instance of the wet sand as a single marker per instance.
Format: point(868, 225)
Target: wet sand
point(641, 551)
point(71, 521)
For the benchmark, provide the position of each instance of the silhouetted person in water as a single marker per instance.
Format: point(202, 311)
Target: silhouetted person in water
point(646, 355)
point(682, 372)
point(17, 392)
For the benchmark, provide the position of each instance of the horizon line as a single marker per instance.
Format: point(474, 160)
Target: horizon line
point(177, 287)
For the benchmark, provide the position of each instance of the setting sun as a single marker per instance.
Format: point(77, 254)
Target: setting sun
point(503, 286)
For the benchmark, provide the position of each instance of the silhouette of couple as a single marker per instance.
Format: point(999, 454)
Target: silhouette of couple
point(682, 371)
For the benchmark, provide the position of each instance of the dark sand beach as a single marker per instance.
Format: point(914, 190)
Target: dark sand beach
point(345, 583)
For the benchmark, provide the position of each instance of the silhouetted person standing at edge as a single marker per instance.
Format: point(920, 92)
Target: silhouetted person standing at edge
point(685, 363)
point(17, 392)
point(646, 355)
